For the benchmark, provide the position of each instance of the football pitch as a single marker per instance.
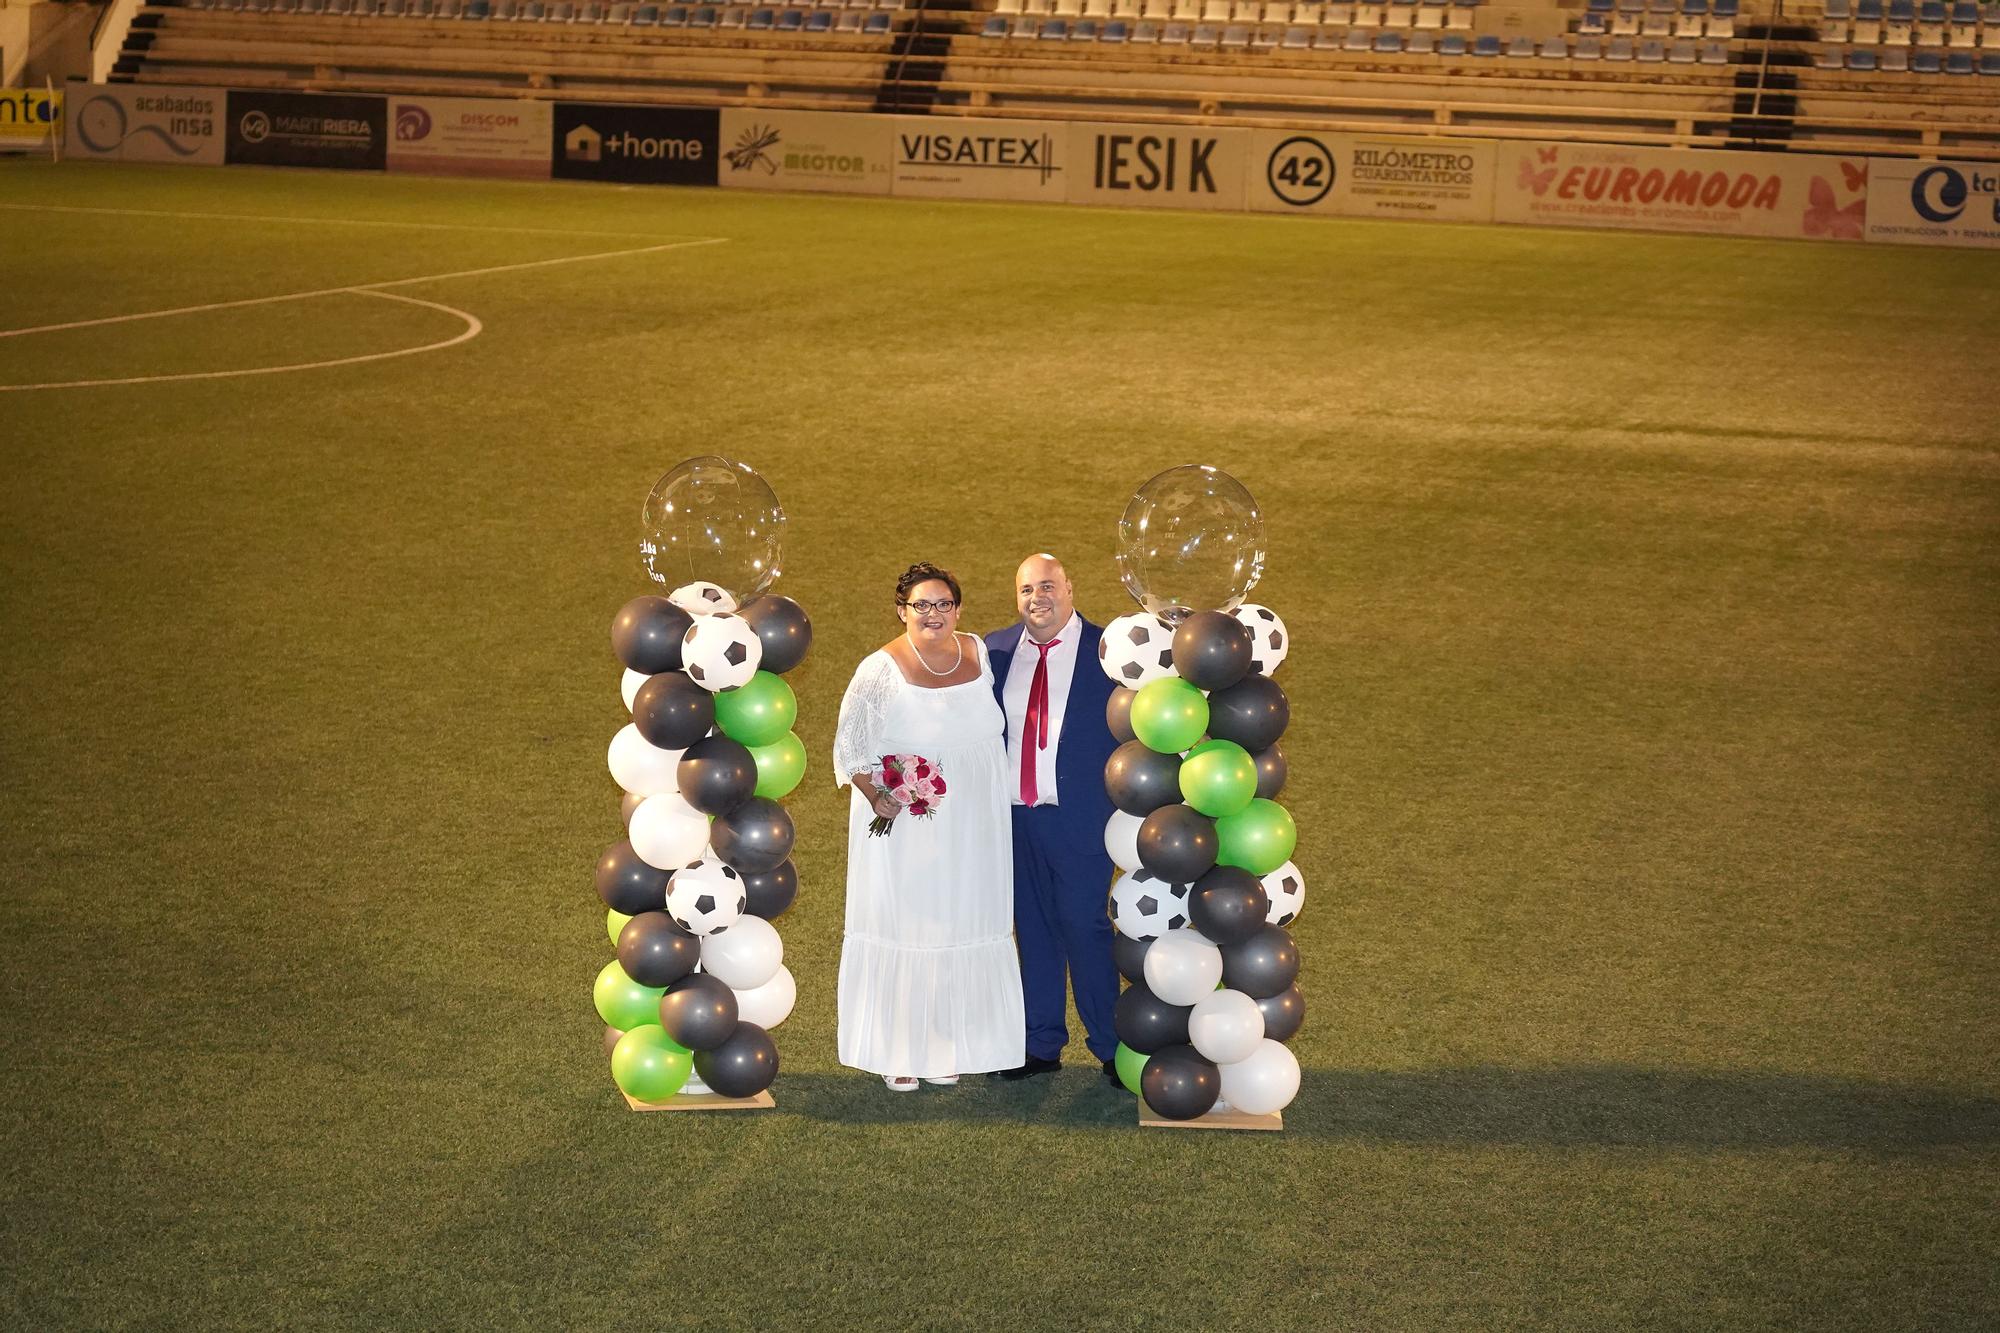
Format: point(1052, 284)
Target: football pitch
point(1645, 752)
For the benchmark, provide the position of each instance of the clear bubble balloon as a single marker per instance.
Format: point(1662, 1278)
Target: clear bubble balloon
point(1192, 539)
point(712, 521)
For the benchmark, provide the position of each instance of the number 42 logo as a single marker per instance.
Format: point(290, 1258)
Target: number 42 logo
point(1300, 171)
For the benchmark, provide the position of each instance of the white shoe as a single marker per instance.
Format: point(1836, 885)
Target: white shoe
point(948, 1081)
point(899, 1084)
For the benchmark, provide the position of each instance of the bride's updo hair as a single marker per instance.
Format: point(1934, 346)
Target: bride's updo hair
point(923, 572)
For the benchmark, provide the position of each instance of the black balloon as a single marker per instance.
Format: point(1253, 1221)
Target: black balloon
point(785, 629)
point(1262, 965)
point(754, 837)
point(1284, 1013)
point(1177, 843)
point(1140, 780)
point(770, 894)
point(742, 1066)
point(672, 711)
point(1129, 956)
point(629, 885)
point(1212, 650)
point(1228, 905)
point(1147, 1023)
point(1253, 713)
point(699, 1012)
point(1179, 1085)
point(654, 951)
point(1271, 771)
point(627, 805)
point(647, 634)
point(717, 774)
point(1118, 713)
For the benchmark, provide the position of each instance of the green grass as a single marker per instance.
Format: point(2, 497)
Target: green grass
point(1644, 755)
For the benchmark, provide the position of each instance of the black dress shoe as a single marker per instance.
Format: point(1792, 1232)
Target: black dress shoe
point(1035, 1065)
point(1111, 1072)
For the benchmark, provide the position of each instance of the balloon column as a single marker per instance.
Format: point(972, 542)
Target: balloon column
point(704, 868)
point(1208, 885)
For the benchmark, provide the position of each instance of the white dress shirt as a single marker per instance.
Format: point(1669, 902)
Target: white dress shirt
point(1021, 679)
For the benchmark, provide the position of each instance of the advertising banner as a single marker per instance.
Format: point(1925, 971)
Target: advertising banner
point(1934, 203)
point(145, 122)
point(470, 136)
point(654, 145)
point(29, 118)
point(1293, 171)
point(280, 129)
point(980, 159)
point(836, 151)
point(1161, 166)
point(1682, 189)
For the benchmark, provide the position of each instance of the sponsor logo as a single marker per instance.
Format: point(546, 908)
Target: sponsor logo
point(1629, 185)
point(995, 152)
point(255, 127)
point(753, 149)
point(413, 123)
point(103, 126)
point(1152, 164)
point(1300, 171)
point(583, 144)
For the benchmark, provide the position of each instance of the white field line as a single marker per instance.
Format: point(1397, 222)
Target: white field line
point(321, 222)
point(360, 287)
point(471, 330)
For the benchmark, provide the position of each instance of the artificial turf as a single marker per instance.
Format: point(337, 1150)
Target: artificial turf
point(1643, 751)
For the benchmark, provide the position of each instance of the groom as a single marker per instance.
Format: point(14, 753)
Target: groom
point(1047, 678)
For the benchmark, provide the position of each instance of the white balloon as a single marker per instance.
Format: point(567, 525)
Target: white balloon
point(667, 832)
point(628, 687)
point(1182, 966)
point(748, 954)
point(771, 1003)
point(641, 767)
point(1264, 1082)
point(1226, 1026)
point(1121, 840)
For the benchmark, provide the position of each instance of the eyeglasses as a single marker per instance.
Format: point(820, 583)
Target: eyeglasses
point(925, 608)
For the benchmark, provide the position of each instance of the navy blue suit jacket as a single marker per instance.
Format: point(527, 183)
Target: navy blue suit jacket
point(1084, 743)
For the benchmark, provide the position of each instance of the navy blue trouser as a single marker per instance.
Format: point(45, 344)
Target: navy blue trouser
point(1061, 925)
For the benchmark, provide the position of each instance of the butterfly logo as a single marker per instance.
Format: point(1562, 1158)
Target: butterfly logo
point(1856, 175)
point(1548, 154)
point(1537, 181)
point(1824, 217)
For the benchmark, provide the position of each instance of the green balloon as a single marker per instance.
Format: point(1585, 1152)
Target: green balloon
point(614, 921)
point(1218, 778)
point(647, 1066)
point(1130, 1065)
point(1259, 838)
point(1169, 715)
point(757, 712)
point(780, 765)
point(623, 1002)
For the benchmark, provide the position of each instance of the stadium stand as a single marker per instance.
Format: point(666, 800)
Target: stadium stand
point(1845, 74)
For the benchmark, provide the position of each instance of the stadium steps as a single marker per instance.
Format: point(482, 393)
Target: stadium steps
point(922, 45)
point(1767, 83)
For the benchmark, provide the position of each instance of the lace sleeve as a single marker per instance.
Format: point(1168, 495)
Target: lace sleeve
point(857, 740)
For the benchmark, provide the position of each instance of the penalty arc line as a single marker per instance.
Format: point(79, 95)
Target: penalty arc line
point(358, 287)
point(472, 330)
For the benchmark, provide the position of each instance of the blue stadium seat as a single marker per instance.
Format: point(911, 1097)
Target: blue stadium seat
point(645, 16)
point(792, 20)
point(1116, 31)
point(1204, 34)
point(1989, 64)
point(534, 12)
point(1839, 9)
point(674, 16)
point(1868, 11)
point(1594, 24)
point(1925, 62)
point(1588, 48)
point(1486, 45)
point(1964, 14)
point(1619, 49)
point(1387, 44)
point(876, 26)
point(1055, 30)
point(1296, 39)
point(1862, 60)
point(1714, 53)
point(1451, 44)
point(1652, 52)
point(1083, 30)
point(702, 16)
point(995, 27)
point(1958, 62)
point(821, 21)
point(1236, 36)
point(477, 9)
point(1896, 59)
point(1725, 9)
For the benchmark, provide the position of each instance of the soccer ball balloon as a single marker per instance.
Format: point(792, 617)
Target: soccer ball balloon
point(1286, 889)
point(1144, 906)
point(702, 599)
point(706, 896)
point(1137, 649)
point(721, 652)
point(1268, 640)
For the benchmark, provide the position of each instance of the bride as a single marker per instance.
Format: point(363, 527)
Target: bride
point(930, 984)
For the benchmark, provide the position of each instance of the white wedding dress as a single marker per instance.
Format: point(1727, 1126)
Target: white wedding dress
point(930, 984)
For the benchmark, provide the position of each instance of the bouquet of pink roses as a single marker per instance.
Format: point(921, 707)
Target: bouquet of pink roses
point(911, 781)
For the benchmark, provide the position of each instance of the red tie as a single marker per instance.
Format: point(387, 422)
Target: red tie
point(1036, 735)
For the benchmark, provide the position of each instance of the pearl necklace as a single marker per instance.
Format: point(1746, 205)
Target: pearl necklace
point(956, 662)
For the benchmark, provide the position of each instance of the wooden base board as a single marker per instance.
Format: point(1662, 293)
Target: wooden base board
point(703, 1101)
point(1225, 1119)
